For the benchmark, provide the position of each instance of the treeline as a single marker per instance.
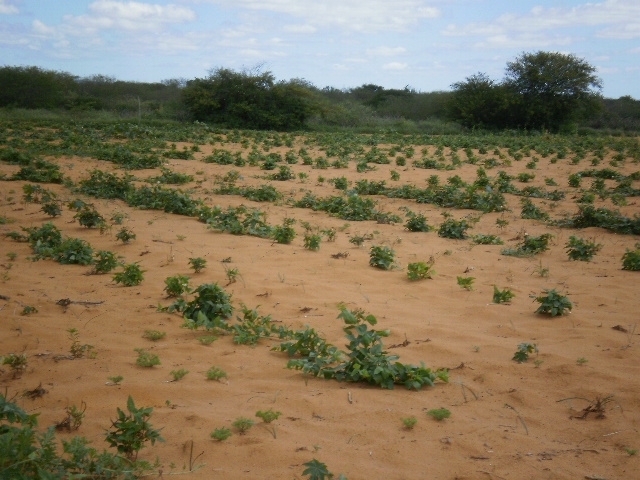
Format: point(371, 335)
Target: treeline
point(256, 100)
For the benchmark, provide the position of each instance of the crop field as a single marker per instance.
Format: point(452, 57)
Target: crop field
point(301, 305)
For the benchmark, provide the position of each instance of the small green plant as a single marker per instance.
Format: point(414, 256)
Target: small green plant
point(358, 240)
point(243, 424)
point(131, 431)
point(631, 259)
point(284, 233)
point(74, 418)
point(12, 256)
point(501, 223)
point(409, 422)
point(125, 235)
point(537, 362)
point(420, 271)
point(581, 249)
point(439, 414)
point(581, 361)
point(312, 241)
point(115, 380)
point(318, 471)
point(553, 303)
point(131, 275)
point(523, 352)
point(28, 310)
point(541, 271)
point(216, 373)
point(382, 257)
point(481, 239)
point(178, 374)
point(221, 434)
point(17, 363)
point(197, 264)
point(146, 359)
point(177, 286)
point(53, 208)
point(118, 217)
point(502, 296)
point(631, 451)
point(207, 339)
point(77, 349)
point(268, 416)
point(232, 275)
point(105, 261)
point(466, 282)
point(395, 176)
point(416, 222)
point(529, 246)
point(452, 228)
point(154, 335)
point(89, 217)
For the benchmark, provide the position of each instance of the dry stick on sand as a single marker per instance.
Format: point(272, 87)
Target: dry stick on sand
point(519, 417)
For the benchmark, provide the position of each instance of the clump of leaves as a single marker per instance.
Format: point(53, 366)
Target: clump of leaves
point(146, 359)
point(382, 257)
point(631, 259)
point(312, 241)
point(284, 233)
point(74, 418)
point(317, 470)
point(105, 261)
point(130, 276)
point(125, 235)
point(115, 380)
point(529, 246)
point(89, 217)
point(18, 363)
point(581, 249)
point(452, 228)
point(221, 434)
point(154, 335)
point(73, 251)
point(197, 264)
point(176, 286)
point(243, 424)
point(268, 416)
point(53, 208)
point(207, 339)
point(409, 422)
point(420, 271)
point(502, 296)
point(178, 374)
point(553, 303)
point(523, 352)
point(358, 240)
point(216, 373)
point(210, 308)
point(77, 349)
point(531, 211)
point(439, 414)
point(28, 310)
point(466, 282)
point(416, 222)
point(131, 431)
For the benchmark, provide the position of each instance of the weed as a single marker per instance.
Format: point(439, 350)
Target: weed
point(130, 432)
point(439, 414)
point(243, 424)
point(452, 228)
point(529, 246)
point(131, 275)
point(581, 361)
point(501, 223)
point(12, 256)
point(312, 241)
point(53, 209)
point(154, 335)
point(631, 259)
point(382, 257)
point(125, 235)
point(178, 374)
point(77, 349)
point(221, 434)
point(581, 249)
point(146, 359)
point(197, 264)
point(409, 422)
point(466, 282)
point(210, 308)
point(177, 286)
point(553, 303)
point(116, 379)
point(358, 240)
point(481, 239)
point(537, 362)
point(416, 222)
point(284, 233)
point(73, 251)
point(18, 363)
point(541, 271)
point(28, 310)
point(216, 373)
point(531, 211)
point(268, 416)
point(318, 471)
point(232, 275)
point(105, 261)
point(631, 451)
point(207, 339)
point(502, 296)
point(89, 217)
point(420, 271)
point(523, 352)
point(74, 418)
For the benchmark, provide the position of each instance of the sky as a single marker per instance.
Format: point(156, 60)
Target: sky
point(426, 45)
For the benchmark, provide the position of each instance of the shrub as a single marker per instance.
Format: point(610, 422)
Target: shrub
point(452, 228)
point(176, 286)
point(221, 434)
point(439, 414)
point(105, 261)
point(284, 233)
point(420, 271)
point(581, 249)
point(210, 308)
point(502, 296)
point(382, 257)
point(131, 275)
point(631, 259)
point(243, 424)
point(125, 235)
point(197, 264)
point(146, 359)
point(553, 303)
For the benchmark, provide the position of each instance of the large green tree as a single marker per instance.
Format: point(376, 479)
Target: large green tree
point(252, 100)
point(34, 87)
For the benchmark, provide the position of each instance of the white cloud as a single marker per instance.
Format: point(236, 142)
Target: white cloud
point(304, 29)
point(395, 66)
point(7, 9)
point(385, 51)
point(356, 15)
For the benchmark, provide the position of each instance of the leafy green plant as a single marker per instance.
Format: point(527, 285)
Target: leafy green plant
point(131, 431)
point(317, 471)
point(523, 352)
point(74, 418)
point(409, 422)
point(439, 414)
point(216, 373)
point(416, 222)
point(243, 424)
point(210, 308)
point(73, 251)
point(125, 235)
point(207, 339)
point(17, 363)
point(177, 286)
point(28, 310)
point(268, 416)
point(452, 228)
point(154, 335)
point(531, 211)
point(105, 261)
point(420, 271)
point(131, 275)
point(466, 282)
point(502, 296)
point(581, 249)
point(631, 259)
point(358, 240)
point(53, 208)
point(146, 359)
point(553, 303)
point(581, 361)
point(284, 233)
point(115, 380)
point(221, 434)
point(77, 349)
point(178, 374)
point(382, 257)
point(312, 241)
point(529, 246)
point(89, 217)
point(197, 264)
point(481, 239)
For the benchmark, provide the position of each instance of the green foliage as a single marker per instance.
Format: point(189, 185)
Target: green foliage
point(317, 470)
point(169, 177)
point(268, 416)
point(78, 350)
point(179, 374)
point(466, 282)
point(382, 257)
point(39, 171)
point(312, 241)
point(17, 363)
point(131, 275)
point(197, 264)
point(216, 373)
point(529, 246)
point(28, 310)
point(553, 303)
point(502, 296)
point(409, 422)
point(177, 285)
point(284, 233)
point(73, 251)
point(154, 335)
point(416, 222)
point(523, 352)
point(237, 221)
point(207, 339)
point(243, 424)
point(89, 217)
point(53, 209)
point(481, 239)
point(452, 228)
point(131, 431)
point(210, 308)
point(105, 261)
point(439, 414)
point(125, 235)
point(420, 271)
point(531, 211)
point(221, 434)
point(631, 259)
point(581, 249)
point(146, 359)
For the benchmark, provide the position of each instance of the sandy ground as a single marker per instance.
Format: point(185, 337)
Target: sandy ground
point(507, 419)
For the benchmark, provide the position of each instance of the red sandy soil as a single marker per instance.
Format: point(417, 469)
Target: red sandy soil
point(508, 420)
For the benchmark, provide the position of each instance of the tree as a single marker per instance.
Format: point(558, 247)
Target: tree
point(251, 100)
point(480, 102)
point(554, 89)
point(33, 87)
